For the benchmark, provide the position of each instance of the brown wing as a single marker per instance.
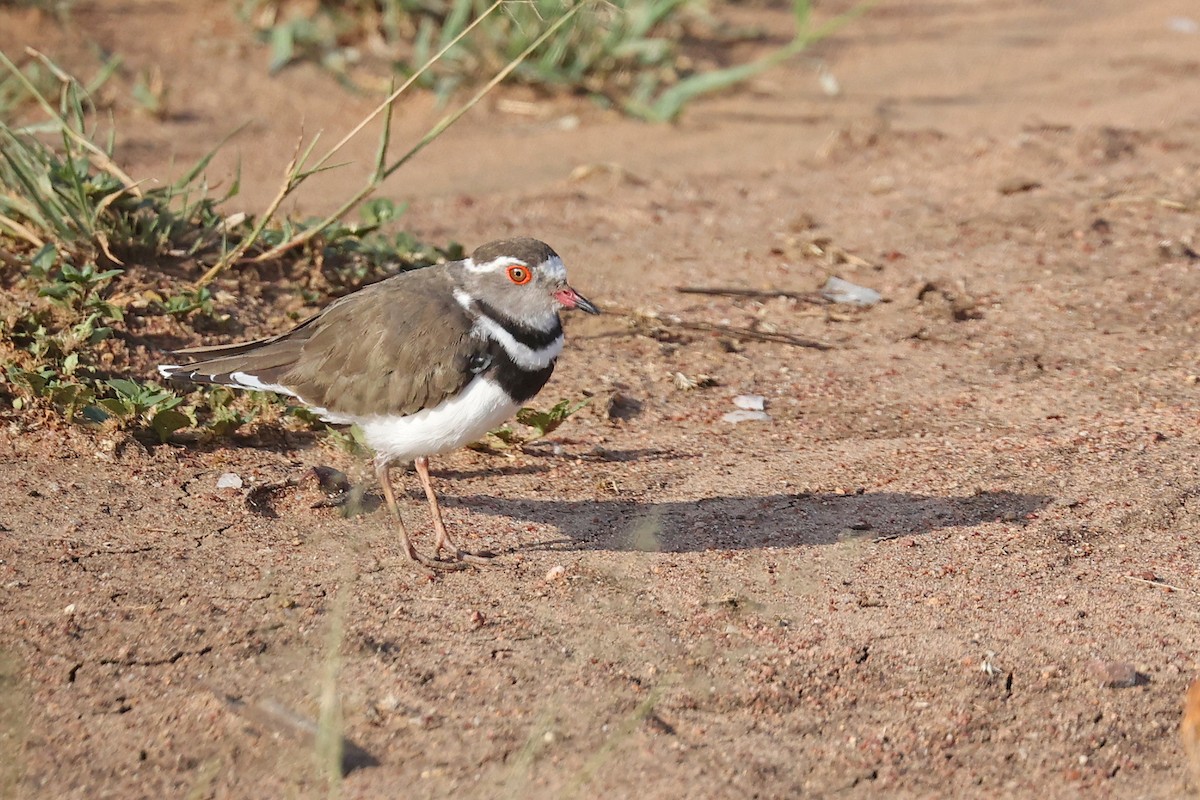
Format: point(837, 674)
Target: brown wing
point(395, 347)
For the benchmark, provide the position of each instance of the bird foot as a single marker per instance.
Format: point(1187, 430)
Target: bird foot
point(474, 559)
point(437, 564)
point(459, 560)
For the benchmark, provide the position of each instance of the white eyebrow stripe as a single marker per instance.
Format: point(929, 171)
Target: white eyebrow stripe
point(553, 266)
point(495, 265)
point(522, 355)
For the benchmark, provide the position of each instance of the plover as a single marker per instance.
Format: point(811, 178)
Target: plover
point(423, 362)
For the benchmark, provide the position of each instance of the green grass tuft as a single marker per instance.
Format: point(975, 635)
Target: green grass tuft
point(634, 55)
point(71, 223)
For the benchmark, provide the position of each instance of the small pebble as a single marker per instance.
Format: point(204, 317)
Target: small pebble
point(1018, 184)
point(829, 82)
point(881, 184)
point(1183, 25)
point(750, 402)
point(229, 480)
point(743, 415)
point(842, 291)
point(1113, 674)
point(330, 480)
point(556, 573)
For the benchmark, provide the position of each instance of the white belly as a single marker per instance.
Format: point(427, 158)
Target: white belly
point(458, 421)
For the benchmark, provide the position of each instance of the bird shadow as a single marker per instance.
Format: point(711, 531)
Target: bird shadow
point(743, 523)
point(506, 469)
point(546, 462)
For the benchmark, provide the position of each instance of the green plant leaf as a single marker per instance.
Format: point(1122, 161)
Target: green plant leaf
point(74, 274)
point(127, 389)
point(116, 408)
point(95, 414)
point(546, 422)
point(57, 291)
point(283, 46)
point(508, 436)
point(32, 381)
point(69, 395)
point(98, 335)
point(106, 275)
point(43, 260)
point(167, 421)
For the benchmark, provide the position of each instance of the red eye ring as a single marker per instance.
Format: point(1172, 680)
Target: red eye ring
point(519, 275)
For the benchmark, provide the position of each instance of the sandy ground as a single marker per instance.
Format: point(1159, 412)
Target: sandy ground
point(961, 560)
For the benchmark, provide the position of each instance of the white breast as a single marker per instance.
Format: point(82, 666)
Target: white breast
point(457, 421)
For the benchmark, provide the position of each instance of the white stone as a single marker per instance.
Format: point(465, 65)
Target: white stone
point(230, 480)
point(744, 415)
point(750, 402)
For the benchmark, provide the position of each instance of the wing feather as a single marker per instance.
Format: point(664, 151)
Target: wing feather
point(395, 347)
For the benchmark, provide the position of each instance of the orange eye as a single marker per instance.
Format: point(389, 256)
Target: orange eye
point(519, 275)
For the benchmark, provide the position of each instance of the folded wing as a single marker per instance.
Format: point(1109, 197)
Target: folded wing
point(396, 347)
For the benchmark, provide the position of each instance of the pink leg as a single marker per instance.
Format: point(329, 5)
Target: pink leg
point(443, 536)
point(383, 471)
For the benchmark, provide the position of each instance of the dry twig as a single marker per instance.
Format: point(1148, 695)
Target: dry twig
point(733, 331)
point(767, 294)
point(1159, 584)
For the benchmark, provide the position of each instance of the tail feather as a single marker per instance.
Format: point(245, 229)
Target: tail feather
point(258, 366)
point(235, 380)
